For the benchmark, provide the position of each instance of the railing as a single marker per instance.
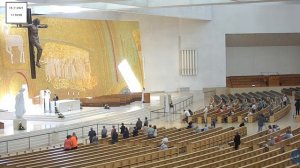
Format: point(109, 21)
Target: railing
point(58, 137)
point(55, 137)
point(176, 107)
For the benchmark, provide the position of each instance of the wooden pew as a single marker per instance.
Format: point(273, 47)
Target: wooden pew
point(71, 160)
point(269, 160)
point(219, 139)
point(133, 141)
point(280, 114)
point(57, 158)
point(59, 152)
point(253, 118)
point(203, 159)
point(242, 160)
point(287, 163)
point(234, 118)
point(135, 160)
point(205, 153)
point(185, 141)
point(256, 141)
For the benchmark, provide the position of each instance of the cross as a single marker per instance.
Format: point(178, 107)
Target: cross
point(33, 41)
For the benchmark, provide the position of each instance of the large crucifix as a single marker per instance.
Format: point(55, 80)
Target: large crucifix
point(34, 41)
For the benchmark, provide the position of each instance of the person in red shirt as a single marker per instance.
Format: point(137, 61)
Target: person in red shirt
point(68, 143)
point(74, 141)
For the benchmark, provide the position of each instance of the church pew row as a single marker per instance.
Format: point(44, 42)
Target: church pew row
point(280, 114)
point(205, 153)
point(57, 158)
point(60, 153)
point(203, 159)
point(131, 140)
point(199, 117)
point(173, 138)
point(200, 157)
point(242, 160)
point(94, 158)
point(256, 141)
point(185, 141)
point(240, 157)
point(50, 152)
point(265, 111)
point(133, 160)
point(268, 160)
point(75, 156)
point(286, 142)
point(234, 118)
point(282, 146)
point(253, 118)
point(287, 163)
point(219, 139)
point(251, 137)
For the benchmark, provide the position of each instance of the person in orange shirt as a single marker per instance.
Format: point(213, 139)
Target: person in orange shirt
point(74, 141)
point(68, 143)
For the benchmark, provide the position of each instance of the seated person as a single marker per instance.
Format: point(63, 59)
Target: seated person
point(106, 106)
point(271, 142)
point(135, 132)
point(163, 146)
point(68, 143)
point(275, 128)
point(270, 129)
point(74, 140)
point(211, 107)
point(95, 140)
point(150, 132)
point(165, 140)
point(278, 138)
point(288, 134)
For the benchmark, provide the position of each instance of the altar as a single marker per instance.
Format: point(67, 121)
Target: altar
point(65, 105)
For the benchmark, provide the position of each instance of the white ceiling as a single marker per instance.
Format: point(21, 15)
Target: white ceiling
point(172, 8)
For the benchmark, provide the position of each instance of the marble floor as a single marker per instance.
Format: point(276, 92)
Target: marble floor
point(38, 120)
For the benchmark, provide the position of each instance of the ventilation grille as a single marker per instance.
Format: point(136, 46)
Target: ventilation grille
point(188, 63)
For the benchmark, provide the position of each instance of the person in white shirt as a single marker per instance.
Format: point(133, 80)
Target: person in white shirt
point(211, 107)
point(165, 140)
point(284, 100)
point(186, 114)
point(253, 108)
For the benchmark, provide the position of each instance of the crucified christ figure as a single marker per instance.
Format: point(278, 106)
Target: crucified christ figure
point(34, 38)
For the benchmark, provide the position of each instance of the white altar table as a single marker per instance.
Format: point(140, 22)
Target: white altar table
point(65, 105)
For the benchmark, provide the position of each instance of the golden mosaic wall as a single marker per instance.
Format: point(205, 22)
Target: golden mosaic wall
point(79, 56)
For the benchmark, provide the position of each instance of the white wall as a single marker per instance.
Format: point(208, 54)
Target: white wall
point(160, 45)
point(254, 60)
